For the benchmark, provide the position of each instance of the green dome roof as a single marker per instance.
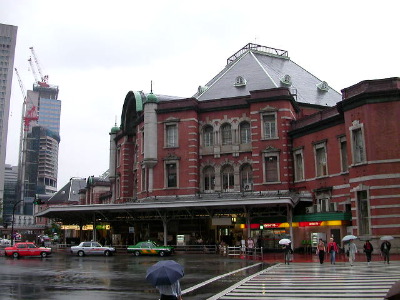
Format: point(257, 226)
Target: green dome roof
point(151, 98)
point(115, 129)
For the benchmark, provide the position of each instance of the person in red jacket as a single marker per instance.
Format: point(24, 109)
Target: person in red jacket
point(332, 249)
point(368, 250)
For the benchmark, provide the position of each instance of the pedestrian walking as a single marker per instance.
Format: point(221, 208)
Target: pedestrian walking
point(385, 248)
point(352, 250)
point(368, 248)
point(321, 251)
point(332, 249)
point(243, 246)
point(250, 245)
point(287, 252)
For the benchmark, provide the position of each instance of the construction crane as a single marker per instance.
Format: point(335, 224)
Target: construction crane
point(33, 70)
point(31, 114)
point(44, 78)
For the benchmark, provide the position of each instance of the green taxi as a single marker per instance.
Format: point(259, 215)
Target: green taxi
point(150, 248)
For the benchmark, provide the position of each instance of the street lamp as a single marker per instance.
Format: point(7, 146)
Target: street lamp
point(12, 222)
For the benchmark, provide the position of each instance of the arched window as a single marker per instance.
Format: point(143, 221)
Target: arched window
point(245, 134)
point(226, 134)
point(209, 179)
point(228, 181)
point(208, 137)
point(246, 178)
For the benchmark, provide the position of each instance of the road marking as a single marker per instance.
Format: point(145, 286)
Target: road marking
point(188, 290)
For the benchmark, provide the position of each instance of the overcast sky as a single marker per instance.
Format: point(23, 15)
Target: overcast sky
point(97, 51)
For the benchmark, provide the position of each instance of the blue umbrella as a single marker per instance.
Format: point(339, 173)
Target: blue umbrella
point(165, 272)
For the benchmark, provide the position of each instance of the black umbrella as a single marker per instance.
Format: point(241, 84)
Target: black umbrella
point(165, 272)
point(394, 292)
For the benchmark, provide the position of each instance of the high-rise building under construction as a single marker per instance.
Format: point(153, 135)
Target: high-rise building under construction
point(43, 138)
point(8, 37)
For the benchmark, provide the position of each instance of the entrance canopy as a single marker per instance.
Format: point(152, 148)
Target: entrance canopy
point(177, 207)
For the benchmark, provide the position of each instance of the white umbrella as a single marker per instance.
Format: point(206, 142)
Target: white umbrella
point(284, 242)
point(348, 237)
point(386, 238)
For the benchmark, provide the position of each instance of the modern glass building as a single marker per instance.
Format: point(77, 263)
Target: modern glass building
point(41, 165)
point(8, 37)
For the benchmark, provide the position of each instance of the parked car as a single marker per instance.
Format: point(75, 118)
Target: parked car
point(150, 247)
point(5, 242)
point(26, 249)
point(92, 248)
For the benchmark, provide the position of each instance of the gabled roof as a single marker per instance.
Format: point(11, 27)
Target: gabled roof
point(256, 67)
point(69, 193)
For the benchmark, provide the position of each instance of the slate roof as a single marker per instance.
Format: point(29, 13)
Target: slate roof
point(264, 69)
point(69, 193)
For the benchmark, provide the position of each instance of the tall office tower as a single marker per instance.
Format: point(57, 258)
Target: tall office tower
point(10, 191)
point(41, 162)
point(8, 37)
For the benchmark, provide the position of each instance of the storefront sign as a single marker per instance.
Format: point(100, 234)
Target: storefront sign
point(314, 223)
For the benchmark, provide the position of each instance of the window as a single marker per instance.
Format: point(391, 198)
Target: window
point(118, 188)
point(144, 179)
point(171, 135)
point(358, 146)
point(269, 126)
point(298, 165)
point(172, 176)
point(208, 137)
point(321, 168)
point(118, 156)
point(226, 134)
point(343, 154)
point(228, 181)
point(322, 200)
point(246, 178)
point(363, 213)
point(209, 179)
point(271, 168)
point(245, 134)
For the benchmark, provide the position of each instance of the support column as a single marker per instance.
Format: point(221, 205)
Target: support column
point(290, 221)
point(94, 227)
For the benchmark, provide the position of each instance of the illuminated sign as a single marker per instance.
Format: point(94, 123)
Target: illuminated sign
point(85, 227)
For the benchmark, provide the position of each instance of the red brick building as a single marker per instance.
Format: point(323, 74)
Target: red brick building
point(265, 149)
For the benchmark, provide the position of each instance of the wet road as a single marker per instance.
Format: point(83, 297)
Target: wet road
point(63, 276)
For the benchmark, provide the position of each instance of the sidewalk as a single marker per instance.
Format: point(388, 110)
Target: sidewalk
point(273, 258)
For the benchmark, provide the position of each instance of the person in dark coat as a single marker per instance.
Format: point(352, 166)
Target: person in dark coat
point(385, 248)
point(287, 251)
point(368, 250)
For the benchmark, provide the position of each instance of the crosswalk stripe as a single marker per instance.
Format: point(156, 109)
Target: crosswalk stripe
point(315, 281)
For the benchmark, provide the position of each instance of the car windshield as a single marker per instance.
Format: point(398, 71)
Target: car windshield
point(96, 245)
point(31, 246)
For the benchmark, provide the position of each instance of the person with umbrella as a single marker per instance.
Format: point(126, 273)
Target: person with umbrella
point(287, 249)
point(352, 252)
point(165, 276)
point(385, 248)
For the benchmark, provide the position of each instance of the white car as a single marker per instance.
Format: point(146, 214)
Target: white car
point(92, 248)
point(5, 242)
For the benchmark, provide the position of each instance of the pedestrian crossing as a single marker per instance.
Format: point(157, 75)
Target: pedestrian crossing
point(316, 281)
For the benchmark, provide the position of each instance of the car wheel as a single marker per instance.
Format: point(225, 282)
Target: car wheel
point(43, 254)
point(15, 255)
point(107, 253)
point(137, 253)
point(81, 253)
point(162, 253)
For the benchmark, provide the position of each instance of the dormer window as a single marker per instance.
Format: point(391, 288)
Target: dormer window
point(240, 81)
point(323, 86)
point(286, 80)
point(201, 89)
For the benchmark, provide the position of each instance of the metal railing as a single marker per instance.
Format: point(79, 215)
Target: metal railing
point(249, 253)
